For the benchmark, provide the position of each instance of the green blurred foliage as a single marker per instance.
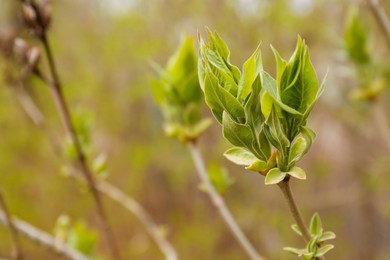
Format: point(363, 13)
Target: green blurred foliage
point(103, 56)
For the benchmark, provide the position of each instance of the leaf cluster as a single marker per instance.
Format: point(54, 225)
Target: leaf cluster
point(178, 94)
point(373, 79)
point(314, 248)
point(258, 112)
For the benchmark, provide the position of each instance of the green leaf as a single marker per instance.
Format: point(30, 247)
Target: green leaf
point(274, 132)
point(83, 239)
point(315, 225)
point(323, 250)
point(274, 176)
point(297, 150)
point(328, 235)
point(99, 166)
point(219, 177)
point(237, 134)
point(296, 229)
point(201, 126)
point(295, 251)
point(356, 39)
point(250, 71)
point(301, 84)
point(269, 84)
point(280, 65)
point(297, 172)
point(240, 156)
point(253, 106)
point(221, 100)
point(258, 166)
point(308, 255)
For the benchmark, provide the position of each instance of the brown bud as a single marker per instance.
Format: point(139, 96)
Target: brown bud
point(29, 15)
point(46, 14)
point(7, 37)
point(33, 56)
point(20, 49)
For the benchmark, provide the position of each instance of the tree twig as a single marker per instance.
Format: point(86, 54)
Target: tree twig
point(382, 123)
point(63, 110)
point(105, 187)
point(285, 188)
point(219, 203)
point(381, 18)
point(17, 249)
point(43, 238)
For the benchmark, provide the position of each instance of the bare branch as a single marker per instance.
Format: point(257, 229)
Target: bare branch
point(42, 238)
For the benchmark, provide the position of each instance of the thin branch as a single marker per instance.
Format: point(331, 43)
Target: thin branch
point(108, 189)
point(42, 238)
point(17, 249)
point(382, 123)
point(381, 18)
point(285, 188)
point(63, 110)
point(219, 203)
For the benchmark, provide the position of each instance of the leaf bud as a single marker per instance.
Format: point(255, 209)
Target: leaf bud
point(20, 49)
point(33, 56)
point(29, 15)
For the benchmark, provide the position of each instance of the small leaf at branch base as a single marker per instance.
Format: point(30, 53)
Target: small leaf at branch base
point(296, 229)
point(240, 156)
point(257, 166)
point(328, 235)
point(315, 225)
point(295, 251)
point(297, 172)
point(323, 250)
point(274, 176)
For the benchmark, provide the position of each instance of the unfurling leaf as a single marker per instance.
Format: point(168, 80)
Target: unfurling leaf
point(315, 225)
point(274, 176)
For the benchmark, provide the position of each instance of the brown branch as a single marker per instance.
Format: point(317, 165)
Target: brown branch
point(42, 238)
point(105, 187)
point(381, 18)
point(17, 249)
point(63, 110)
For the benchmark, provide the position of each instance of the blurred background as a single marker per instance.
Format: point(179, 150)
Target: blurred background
point(103, 51)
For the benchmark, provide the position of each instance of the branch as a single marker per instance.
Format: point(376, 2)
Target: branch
point(381, 18)
point(382, 123)
point(17, 249)
point(63, 110)
point(106, 188)
point(219, 203)
point(42, 238)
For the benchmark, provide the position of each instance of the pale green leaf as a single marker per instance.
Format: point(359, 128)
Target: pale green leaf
point(295, 251)
point(315, 227)
point(323, 250)
point(328, 235)
point(258, 166)
point(240, 156)
point(274, 176)
point(297, 172)
point(250, 71)
point(274, 132)
point(296, 229)
point(298, 148)
point(237, 134)
point(221, 100)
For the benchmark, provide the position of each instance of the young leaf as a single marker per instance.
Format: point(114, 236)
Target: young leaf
point(296, 229)
point(274, 132)
point(328, 235)
point(315, 225)
point(253, 106)
point(297, 151)
point(323, 250)
point(301, 91)
point(356, 39)
point(274, 176)
point(295, 251)
point(221, 100)
point(250, 71)
point(270, 85)
point(297, 172)
point(219, 177)
point(237, 134)
point(258, 166)
point(280, 65)
point(240, 156)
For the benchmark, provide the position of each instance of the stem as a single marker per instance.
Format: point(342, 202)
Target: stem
point(63, 110)
point(110, 190)
point(219, 203)
point(43, 238)
point(382, 123)
point(381, 18)
point(285, 188)
point(17, 249)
